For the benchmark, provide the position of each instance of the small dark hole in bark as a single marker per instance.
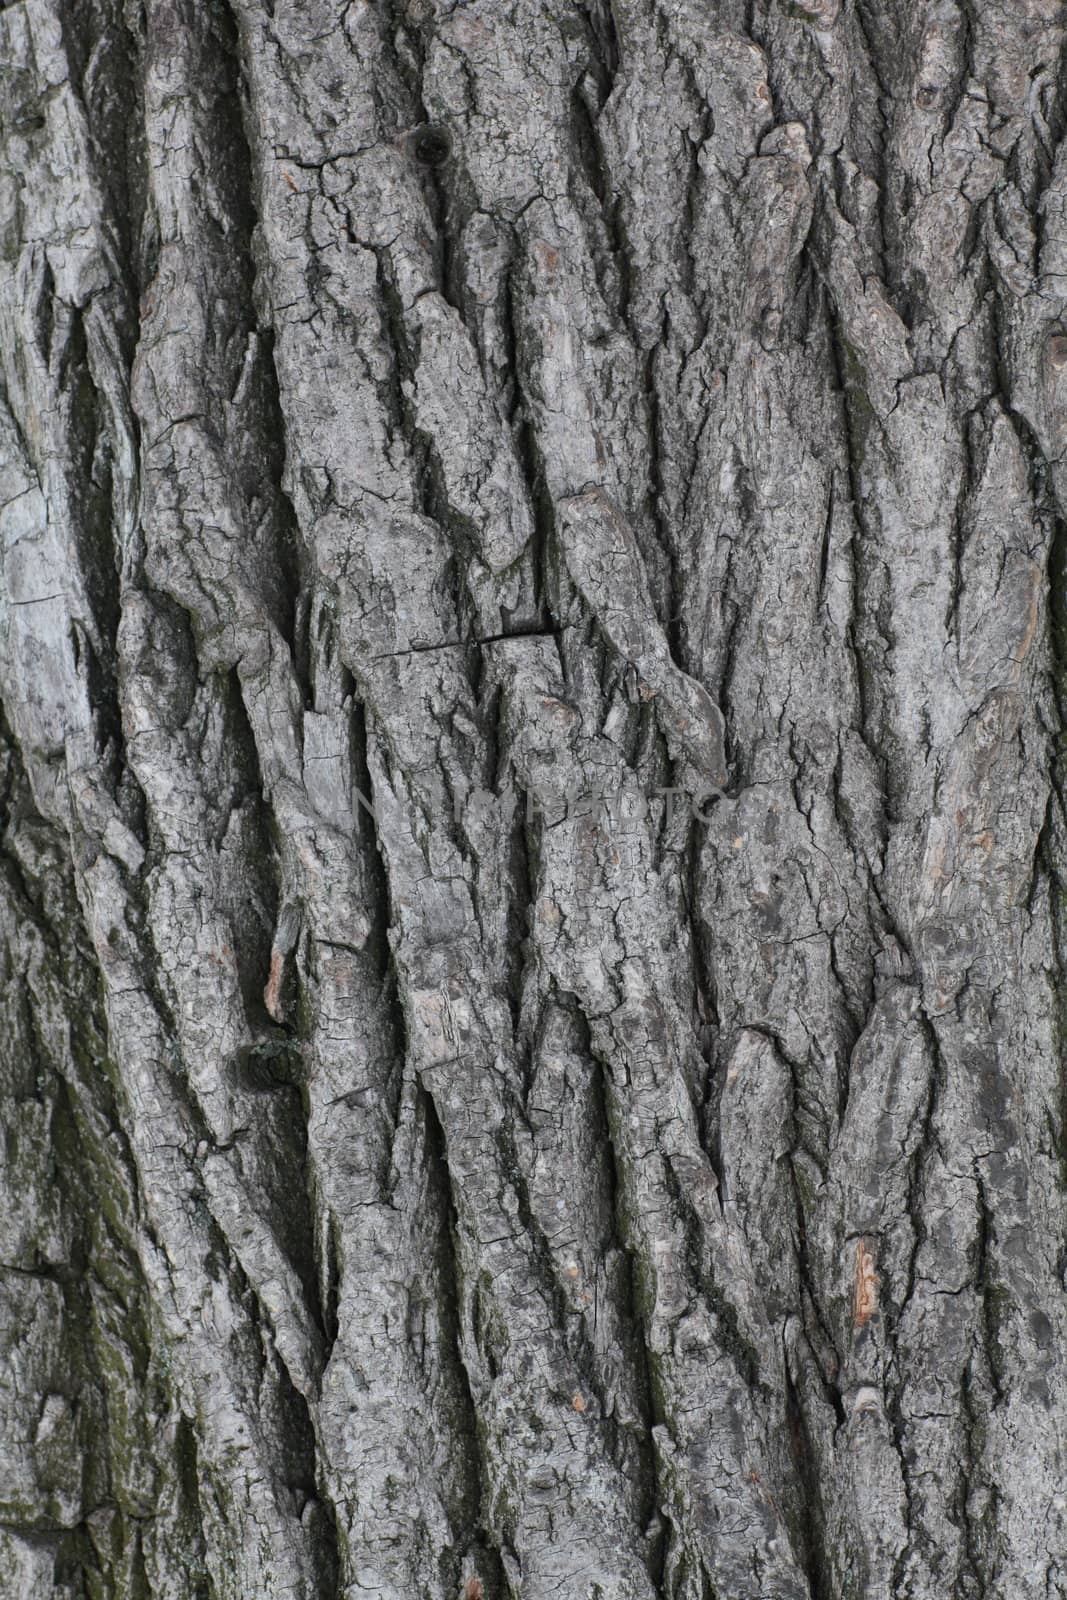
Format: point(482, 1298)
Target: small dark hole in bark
point(31, 124)
point(431, 145)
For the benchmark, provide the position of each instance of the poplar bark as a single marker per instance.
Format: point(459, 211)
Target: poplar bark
point(532, 923)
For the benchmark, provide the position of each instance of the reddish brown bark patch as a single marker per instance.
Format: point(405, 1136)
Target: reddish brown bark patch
point(272, 994)
point(866, 1300)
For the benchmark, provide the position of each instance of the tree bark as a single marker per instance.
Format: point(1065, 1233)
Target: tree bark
point(531, 781)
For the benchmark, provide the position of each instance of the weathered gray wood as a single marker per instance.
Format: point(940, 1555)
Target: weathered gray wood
point(531, 906)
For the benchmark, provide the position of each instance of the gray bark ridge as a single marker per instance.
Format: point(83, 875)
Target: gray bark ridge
point(531, 800)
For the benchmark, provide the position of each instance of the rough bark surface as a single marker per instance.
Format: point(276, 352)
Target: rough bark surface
point(437, 1160)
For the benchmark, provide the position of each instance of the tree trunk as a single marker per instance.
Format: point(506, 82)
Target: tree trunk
point(531, 912)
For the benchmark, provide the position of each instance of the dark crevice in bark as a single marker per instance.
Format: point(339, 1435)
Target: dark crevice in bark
point(689, 277)
point(609, 248)
point(708, 1026)
point(1053, 844)
point(103, 41)
point(632, 1315)
point(82, 416)
point(273, 1067)
point(92, 1178)
point(849, 1023)
point(329, 1286)
point(966, 68)
point(808, 1531)
point(84, 1387)
point(52, 907)
point(187, 1468)
point(288, 1418)
point(730, 1335)
point(375, 871)
point(884, 59)
point(973, 1582)
point(260, 855)
point(472, 1532)
point(16, 805)
point(670, 611)
point(924, 1143)
point(1041, 487)
point(521, 895)
point(41, 306)
point(576, 1338)
point(993, 1295)
point(858, 419)
point(607, 47)
point(432, 152)
point(262, 461)
point(502, 375)
point(736, 601)
point(430, 149)
point(292, 600)
point(428, 479)
point(824, 549)
point(822, 1343)
point(527, 454)
point(974, 439)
